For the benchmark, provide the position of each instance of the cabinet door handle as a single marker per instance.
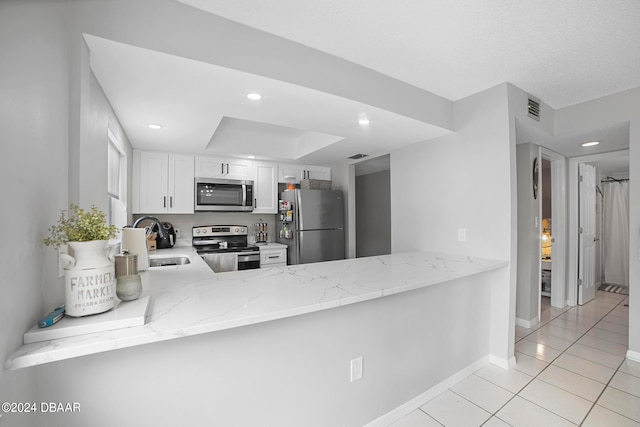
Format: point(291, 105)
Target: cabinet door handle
point(255, 203)
point(164, 202)
point(170, 201)
point(222, 164)
point(273, 256)
point(227, 168)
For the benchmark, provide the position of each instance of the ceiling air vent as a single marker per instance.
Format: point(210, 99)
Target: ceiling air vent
point(533, 109)
point(357, 156)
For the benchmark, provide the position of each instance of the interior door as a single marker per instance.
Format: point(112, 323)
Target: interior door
point(586, 233)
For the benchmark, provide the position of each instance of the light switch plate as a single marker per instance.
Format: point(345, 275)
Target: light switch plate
point(462, 234)
point(356, 369)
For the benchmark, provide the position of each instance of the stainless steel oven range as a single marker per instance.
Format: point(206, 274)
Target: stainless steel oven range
point(225, 248)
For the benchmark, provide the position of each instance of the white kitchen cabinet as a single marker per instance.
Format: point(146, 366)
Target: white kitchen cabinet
point(163, 183)
point(273, 255)
point(317, 172)
point(223, 167)
point(265, 187)
point(294, 173)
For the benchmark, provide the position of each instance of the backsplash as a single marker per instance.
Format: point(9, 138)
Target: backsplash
point(186, 222)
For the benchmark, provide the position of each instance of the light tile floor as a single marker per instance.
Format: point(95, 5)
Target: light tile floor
point(571, 370)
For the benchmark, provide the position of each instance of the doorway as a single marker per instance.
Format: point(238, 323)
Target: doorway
point(587, 237)
point(615, 162)
point(552, 229)
point(546, 238)
point(614, 220)
point(373, 207)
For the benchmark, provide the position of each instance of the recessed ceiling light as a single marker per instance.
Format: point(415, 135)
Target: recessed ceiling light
point(251, 157)
point(363, 121)
point(154, 126)
point(254, 96)
point(590, 143)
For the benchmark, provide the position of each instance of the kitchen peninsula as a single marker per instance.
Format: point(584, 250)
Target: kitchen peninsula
point(275, 346)
point(191, 299)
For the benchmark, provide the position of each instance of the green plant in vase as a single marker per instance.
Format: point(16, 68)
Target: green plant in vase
point(80, 225)
point(89, 275)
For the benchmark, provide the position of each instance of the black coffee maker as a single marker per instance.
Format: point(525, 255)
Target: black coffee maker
point(165, 233)
point(165, 238)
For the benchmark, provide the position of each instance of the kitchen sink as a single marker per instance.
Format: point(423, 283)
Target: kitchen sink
point(165, 261)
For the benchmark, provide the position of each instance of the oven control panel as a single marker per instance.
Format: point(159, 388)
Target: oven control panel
point(220, 230)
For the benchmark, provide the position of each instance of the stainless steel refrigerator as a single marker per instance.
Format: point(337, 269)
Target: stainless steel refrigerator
point(311, 224)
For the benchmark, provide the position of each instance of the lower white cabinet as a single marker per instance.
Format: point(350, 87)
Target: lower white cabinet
point(273, 256)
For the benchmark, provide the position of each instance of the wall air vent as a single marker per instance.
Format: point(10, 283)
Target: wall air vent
point(533, 109)
point(357, 156)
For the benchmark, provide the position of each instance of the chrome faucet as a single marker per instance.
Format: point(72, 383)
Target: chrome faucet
point(155, 220)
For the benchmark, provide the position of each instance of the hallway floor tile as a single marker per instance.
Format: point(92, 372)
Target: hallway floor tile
point(570, 370)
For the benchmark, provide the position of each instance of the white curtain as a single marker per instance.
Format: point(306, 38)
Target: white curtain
point(616, 232)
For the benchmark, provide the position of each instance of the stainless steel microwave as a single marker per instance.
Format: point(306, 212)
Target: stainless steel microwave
point(230, 195)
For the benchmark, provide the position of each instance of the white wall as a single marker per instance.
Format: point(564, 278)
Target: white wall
point(527, 299)
point(457, 181)
point(33, 173)
point(290, 372)
point(90, 117)
point(596, 114)
point(528, 255)
point(87, 167)
point(464, 180)
point(38, 169)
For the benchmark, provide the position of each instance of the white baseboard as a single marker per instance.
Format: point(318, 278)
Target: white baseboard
point(633, 355)
point(421, 399)
point(527, 323)
point(505, 364)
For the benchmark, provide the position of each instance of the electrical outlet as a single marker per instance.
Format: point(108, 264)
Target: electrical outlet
point(462, 234)
point(356, 369)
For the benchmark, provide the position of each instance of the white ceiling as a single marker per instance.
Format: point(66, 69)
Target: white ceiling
point(616, 167)
point(203, 109)
point(611, 138)
point(561, 52)
point(612, 160)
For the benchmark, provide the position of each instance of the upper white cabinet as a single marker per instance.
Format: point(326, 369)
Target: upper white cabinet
point(265, 187)
point(291, 172)
point(162, 183)
point(223, 167)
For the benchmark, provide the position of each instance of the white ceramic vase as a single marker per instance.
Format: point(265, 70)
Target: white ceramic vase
point(89, 278)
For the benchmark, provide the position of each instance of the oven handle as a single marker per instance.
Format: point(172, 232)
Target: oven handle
point(205, 242)
point(247, 257)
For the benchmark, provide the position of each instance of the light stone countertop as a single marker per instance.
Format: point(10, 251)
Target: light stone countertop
point(191, 299)
point(271, 245)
